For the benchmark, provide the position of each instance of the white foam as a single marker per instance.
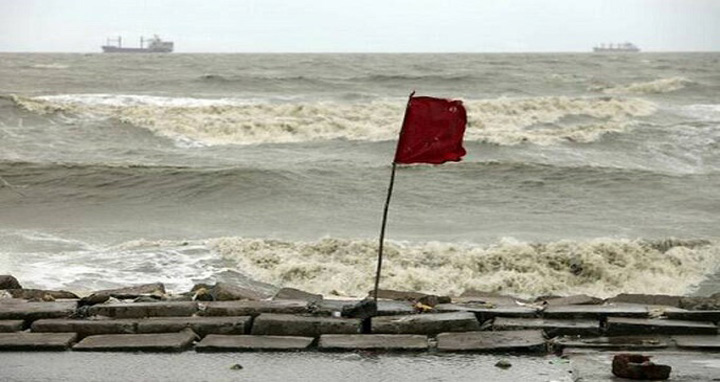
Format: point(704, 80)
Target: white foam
point(504, 121)
point(663, 85)
point(603, 267)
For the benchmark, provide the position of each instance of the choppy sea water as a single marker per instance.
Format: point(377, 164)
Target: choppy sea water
point(585, 173)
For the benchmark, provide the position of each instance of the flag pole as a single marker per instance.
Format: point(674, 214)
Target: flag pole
point(385, 211)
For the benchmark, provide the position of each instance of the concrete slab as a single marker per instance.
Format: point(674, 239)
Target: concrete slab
point(551, 327)
point(36, 341)
point(304, 326)
point(611, 343)
point(485, 312)
point(145, 309)
point(9, 326)
point(84, 328)
point(202, 326)
point(253, 308)
point(513, 341)
point(646, 299)
point(620, 326)
point(698, 342)
point(384, 307)
point(580, 299)
point(694, 315)
point(32, 311)
point(227, 343)
point(429, 324)
point(595, 312)
point(389, 342)
point(164, 342)
point(297, 294)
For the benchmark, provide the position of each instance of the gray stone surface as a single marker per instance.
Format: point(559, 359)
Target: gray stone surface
point(253, 308)
point(516, 341)
point(131, 292)
point(145, 309)
point(303, 326)
point(646, 299)
point(202, 326)
point(31, 311)
point(614, 343)
point(393, 342)
point(228, 292)
point(580, 299)
point(384, 307)
point(22, 341)
point(84, 328)
point(41, 294)
point(595, 311)
point(551, 327)
point(432, 323)
point(485, 312)
point(226, 343)
point(297, 294)
point(8, 326)
point(694, 315)
point(619, 326)
point(163, 342)
point(698, 342)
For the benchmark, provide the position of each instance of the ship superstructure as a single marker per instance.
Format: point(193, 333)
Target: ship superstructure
point(154, 45)
point(623, 47)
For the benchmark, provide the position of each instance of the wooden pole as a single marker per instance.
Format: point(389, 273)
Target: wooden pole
point(385, 211)
point(382, 232)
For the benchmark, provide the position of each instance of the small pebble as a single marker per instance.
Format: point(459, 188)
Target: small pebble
point(503, 364)
point(236, 366)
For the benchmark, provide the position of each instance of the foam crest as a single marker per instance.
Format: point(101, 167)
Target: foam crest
point(504, 121)
point(601, 267)
point(663, 85)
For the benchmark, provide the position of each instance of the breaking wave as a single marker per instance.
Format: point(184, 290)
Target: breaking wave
point(664, 85)
point(502, 121)
point(601, 267)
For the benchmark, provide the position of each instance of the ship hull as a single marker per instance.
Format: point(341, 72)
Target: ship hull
point(115, 49)
point(601, 50)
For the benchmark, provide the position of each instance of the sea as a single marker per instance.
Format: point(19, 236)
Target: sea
point(585, 173)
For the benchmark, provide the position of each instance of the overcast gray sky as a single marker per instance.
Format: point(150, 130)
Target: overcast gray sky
point(362, 25)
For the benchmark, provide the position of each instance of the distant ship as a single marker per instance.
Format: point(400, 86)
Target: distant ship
point(155, 45)
point(612, 48)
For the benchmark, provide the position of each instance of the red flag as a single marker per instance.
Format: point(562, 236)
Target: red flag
point(432, 131)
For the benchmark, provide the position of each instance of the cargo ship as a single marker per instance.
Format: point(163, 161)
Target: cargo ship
point(626, 47)
point(154, 45)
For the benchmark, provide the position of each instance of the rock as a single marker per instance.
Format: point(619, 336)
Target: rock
point(145, 309)
point(711, 343)
point(427, 299)
point(503, 364)
point(552, 328)
point(203, 294)
point(133, 292)
point(84, 328)
point(31, 311)
point(701, 303)
point(253, 308)
point(203, 326)
point(227, 343)
point(227, 292)
point(148, 298)
point(637, 366)
point(620, 326)
point(303, 326)
point(9, 282)
point(608, 343)
point(428, 324)
point(580, 299)
point(512, 341)
point(42, 295)
point(595, 311)
point(236, 366)
point(9, 326)
point(384, 342)
point(364, 309)
point(22, 341)
point(296, 294)
point(164, 342)
point(647, 299)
